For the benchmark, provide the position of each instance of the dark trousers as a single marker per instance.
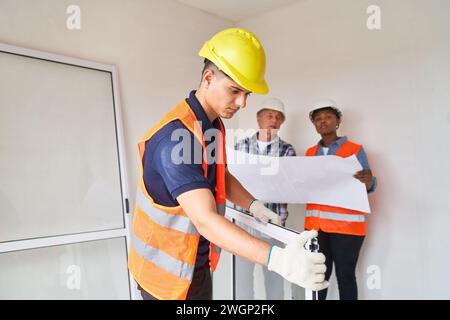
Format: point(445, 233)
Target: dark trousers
point(200, 289)
point(343, 250)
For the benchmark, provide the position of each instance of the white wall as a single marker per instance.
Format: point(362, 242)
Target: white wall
point(394, 88)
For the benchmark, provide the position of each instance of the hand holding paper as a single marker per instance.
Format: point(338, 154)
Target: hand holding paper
point(325, 180)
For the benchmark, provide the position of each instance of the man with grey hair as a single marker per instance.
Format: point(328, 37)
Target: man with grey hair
point(270, 116)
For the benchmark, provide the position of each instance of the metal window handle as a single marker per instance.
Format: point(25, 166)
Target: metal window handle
point(313, 246)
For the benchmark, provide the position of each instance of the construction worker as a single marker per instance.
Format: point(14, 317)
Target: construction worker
point(178, 225)
point(341, 231)
point(270, 116)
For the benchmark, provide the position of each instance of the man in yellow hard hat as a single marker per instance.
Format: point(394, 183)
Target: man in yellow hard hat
point(178, 226)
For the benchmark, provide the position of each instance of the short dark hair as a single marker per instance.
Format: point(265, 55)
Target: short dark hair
point(314, 113)
point(208, 64)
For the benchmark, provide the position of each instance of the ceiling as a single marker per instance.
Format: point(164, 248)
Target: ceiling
point(236, 10)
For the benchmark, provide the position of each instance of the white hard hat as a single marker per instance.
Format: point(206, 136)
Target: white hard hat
point(273, 104)
point(325, 103)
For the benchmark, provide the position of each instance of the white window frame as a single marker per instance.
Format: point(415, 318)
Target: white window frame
point(42, 242)
point(283, 234)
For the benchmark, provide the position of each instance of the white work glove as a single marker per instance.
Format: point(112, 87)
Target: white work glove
point(298, 265)
point(261, 213)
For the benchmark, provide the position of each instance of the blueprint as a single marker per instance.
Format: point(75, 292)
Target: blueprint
point(326, 180)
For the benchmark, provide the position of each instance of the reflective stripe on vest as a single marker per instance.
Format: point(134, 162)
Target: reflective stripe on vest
point(175, 222)
point(161, 259)
point(335, 219)
point(221, 208)
point(336, 216)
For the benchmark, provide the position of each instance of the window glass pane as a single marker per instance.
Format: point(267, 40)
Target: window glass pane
point(88, 270)
point(59, 168)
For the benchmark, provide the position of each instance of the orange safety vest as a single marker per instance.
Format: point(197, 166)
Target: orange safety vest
point(334, 219)
point(164, 240)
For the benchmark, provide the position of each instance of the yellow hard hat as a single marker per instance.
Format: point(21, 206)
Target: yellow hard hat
point(240, 55)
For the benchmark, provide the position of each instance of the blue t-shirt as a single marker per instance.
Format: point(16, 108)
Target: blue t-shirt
point(165, 178)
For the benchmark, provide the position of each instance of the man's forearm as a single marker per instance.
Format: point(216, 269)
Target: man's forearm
point(236, 193)
point(200, 207)
point(234, 239)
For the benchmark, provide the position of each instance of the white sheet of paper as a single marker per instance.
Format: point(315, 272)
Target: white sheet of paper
point(326, 180)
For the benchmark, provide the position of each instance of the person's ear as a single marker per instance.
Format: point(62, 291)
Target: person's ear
point(208, 76)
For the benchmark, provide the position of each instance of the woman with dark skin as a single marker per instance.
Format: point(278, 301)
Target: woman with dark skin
point(327, 122)
point(341, 231)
